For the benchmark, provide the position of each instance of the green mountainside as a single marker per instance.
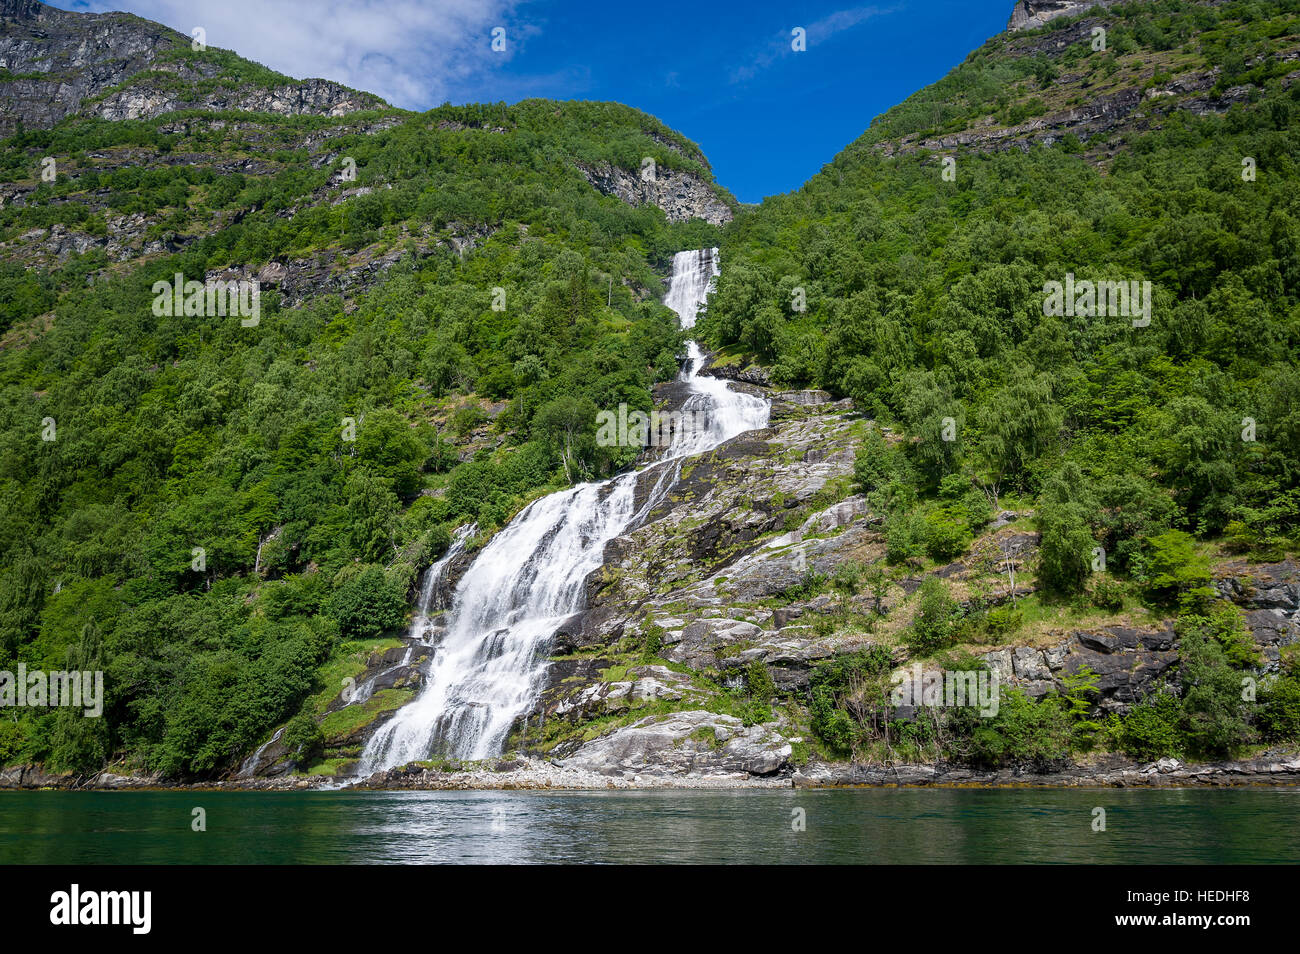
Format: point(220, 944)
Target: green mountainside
point(923, 298)
point(462, 302)
point(229, 518)
point(915, 273)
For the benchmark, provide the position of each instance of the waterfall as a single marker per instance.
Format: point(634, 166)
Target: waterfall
point(489, 669)
point(422, 626)
point(431, 598)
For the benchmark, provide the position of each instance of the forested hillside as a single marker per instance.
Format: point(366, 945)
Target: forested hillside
point(1055, 299)
point(925, 297)
point(914, 278)
point(211, 511)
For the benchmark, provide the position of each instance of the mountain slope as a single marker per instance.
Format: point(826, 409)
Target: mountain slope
point(226, 513)
point(1153, 438)
point(1098, 75)
point(228, 518)
point(119, 66)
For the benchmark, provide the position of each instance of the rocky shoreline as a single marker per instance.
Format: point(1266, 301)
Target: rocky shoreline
point(1269, 769)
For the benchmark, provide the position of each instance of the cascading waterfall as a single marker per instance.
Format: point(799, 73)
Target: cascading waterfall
point(488, 669)
point(423, 626)
point(431, 590)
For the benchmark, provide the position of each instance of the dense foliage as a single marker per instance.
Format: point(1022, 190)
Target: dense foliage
point(925, 303)
point(1139, 446)
point(227, 503)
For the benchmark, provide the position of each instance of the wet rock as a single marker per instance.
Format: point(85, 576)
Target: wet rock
point(685, 743)
point(730, 372)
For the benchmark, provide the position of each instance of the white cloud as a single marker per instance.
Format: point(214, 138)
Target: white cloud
point(414, 53)
point(818, 32)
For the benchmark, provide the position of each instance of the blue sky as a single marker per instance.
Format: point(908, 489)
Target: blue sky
point(722, 72)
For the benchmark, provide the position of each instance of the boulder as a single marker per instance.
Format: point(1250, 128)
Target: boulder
point(693, 743)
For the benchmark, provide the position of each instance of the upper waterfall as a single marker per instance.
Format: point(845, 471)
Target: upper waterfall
point(691, 281)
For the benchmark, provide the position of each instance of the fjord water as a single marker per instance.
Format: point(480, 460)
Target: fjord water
point(488, 668)
point(878, 826)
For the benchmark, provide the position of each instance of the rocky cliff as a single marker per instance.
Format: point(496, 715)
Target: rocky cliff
point(681, 195)
point(57, 63)
point(1029, 14)
point(1083, 80)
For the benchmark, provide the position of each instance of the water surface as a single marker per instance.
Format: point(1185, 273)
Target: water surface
point(875, 826)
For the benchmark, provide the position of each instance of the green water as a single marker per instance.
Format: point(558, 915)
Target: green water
point(873, 826)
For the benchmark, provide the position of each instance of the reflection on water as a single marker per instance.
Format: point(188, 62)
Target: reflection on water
point(869, 826)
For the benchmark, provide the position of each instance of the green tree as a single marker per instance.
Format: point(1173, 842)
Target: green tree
point(80, 742)
point(368, 604)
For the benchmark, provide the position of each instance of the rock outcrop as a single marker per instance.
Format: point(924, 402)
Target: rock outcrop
point(681, 195)
point(1098, 105)
point(1131, 661)
point(1277, 767)
point(685, 743)
point(1029, 14)
point(119, 66)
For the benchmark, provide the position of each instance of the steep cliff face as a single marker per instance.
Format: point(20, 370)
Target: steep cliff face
point(1029, 14)
point(118, 66)
point(682, 196)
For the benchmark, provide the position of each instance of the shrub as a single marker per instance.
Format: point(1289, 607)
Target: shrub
point(839, 683)
point(809, 585)
point(368, 604)
point(12, 740)
point(1150, 730)
point(946, 535)
point(1080, 690)
point(847, 577)
point(1215, 724)
point(1226, 625)
point(1022, 732)
point(1108, 594)
point(466, 419)
point(652, 641)
point(1066, 550)
point(1279, 716)
point(1002, 621)
point(904, 536)
point(1171, 568)
point(932, 630)
point(758, 682)
point(302, 736)
point(874, 466)
point(833, 726)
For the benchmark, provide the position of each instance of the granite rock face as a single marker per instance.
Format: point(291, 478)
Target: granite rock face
point(1030, 14)
point(681, 195)
point(1132, 661)
point(685, 743)
point(119, 66)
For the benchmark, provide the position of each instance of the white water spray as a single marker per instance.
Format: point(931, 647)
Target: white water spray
point(490, 665)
